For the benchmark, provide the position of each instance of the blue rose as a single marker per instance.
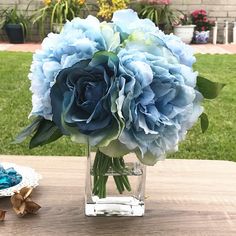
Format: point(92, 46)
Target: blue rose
point(82, 99)
point(79, 40)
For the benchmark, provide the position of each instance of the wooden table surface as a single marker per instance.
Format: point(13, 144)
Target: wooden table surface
point(184, 197)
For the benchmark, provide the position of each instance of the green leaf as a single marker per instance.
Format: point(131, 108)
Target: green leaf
point(53, 14)
point(111, 38)
point(204, 122)
point(208, 89)
point(101, 57)
point(47, 132)
point(28, 130)
point(148, 159)
point(115, 149)
point(99, 139)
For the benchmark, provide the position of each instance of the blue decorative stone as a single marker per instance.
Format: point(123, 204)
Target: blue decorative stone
point(9, 177)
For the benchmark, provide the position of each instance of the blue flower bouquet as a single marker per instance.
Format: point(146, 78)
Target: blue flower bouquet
point(121, 87)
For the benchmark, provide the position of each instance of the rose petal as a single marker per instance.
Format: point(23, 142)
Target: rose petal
point(26, 192)
point(2, 215)
point(17, 200)
point(31, 207)
point(21, 211)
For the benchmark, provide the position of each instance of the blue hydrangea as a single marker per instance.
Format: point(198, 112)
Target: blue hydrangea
point(160, 100)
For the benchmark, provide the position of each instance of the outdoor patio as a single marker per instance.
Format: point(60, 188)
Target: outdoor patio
point(83, 117)
point(198, 48)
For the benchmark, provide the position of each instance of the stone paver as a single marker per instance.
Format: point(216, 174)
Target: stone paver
point(214, 49)
point(200, 48)
point(26, 47)
point(4, 46)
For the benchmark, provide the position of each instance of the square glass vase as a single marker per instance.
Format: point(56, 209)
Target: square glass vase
point(117, 190)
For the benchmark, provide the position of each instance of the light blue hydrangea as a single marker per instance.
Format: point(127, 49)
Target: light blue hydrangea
point(127, 22)
point(160, 102)
point(158, 99)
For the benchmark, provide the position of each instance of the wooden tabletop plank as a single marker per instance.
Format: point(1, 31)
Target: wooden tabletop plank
point(184, 197)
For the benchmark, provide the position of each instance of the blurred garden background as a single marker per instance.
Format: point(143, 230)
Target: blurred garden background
point(40, 15)
point(37, 18)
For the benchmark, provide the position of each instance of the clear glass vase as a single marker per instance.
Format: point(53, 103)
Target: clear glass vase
point(116, 188)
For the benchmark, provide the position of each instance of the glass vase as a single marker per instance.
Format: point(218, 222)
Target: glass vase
point(115, 186)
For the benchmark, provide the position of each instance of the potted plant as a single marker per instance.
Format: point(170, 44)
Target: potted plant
point(15, 23)
point(160, 13)
point(203, 26)
point(57, 12)
point(184, 29)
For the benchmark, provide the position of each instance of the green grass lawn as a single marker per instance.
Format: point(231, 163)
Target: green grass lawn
point(217, 143)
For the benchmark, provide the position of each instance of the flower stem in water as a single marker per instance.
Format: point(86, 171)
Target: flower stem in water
point(101, 165)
